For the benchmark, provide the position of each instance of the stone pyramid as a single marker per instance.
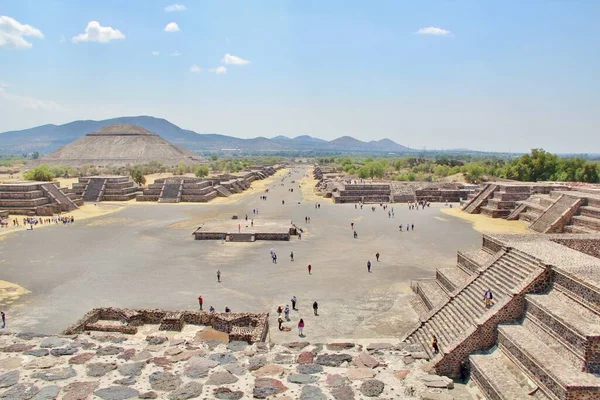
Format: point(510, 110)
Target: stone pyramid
point(120, 144)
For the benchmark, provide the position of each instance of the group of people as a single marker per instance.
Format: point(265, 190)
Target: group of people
point(286, 312)
point(34, 221)
point(408, 227)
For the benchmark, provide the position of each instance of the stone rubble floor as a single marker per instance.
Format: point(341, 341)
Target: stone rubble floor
point(182, 365)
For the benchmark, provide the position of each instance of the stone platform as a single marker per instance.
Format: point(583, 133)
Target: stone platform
point(240, 230)
point(35, 198)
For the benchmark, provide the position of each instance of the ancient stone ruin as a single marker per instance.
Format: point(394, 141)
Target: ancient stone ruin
point(105, 188)
point(546, 208)
point(36, 198)
point(189, 189)
point(542, 330)
point(246, 327)
point(242, 230)
point(118, 145)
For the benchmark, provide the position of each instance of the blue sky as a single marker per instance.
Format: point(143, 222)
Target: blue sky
point(500, 76)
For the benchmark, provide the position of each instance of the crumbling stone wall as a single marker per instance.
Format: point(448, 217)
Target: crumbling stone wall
point(249, 327)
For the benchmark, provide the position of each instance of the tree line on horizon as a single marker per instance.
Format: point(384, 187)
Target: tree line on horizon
point(539, 165)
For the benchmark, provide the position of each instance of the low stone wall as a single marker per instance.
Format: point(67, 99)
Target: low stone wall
point(272, 236)
point(250, 327)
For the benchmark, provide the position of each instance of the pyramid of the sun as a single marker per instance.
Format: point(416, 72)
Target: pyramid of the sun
point(120, 144)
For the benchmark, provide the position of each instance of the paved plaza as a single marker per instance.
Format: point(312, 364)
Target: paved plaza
point(144, 256)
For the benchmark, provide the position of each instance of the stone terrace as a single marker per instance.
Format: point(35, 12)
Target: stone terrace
point(35, 198)
point(499, 199)
point(241, 230)
point(543, 328)
point(365, 193)
point(105, 188)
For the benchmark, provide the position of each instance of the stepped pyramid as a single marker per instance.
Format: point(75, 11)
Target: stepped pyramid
point(120, 144)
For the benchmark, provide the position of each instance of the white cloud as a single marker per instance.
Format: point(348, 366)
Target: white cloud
point(175, 7)
point(155, 53)
point(172, 27)
point(219, 70)
point(229, 59)
point(432, 30)
point(94, 32)
point(175, 54)
point(12, 33)
point(29, 103)
point(195, 68)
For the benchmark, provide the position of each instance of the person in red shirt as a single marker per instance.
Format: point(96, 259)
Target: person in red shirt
point(200, 301)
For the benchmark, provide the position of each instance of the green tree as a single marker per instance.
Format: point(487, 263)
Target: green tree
point(41, 173)
point(137, 175)
point(201, 171)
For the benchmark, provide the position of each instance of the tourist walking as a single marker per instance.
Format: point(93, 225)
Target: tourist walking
point(301, 328)
point(3, 319)
point(434, 344)
point(294, 299)
point(309, 269)
point(377, 256)
point(200, 301)
point(292, 255)
point(218, 275)
point(369, 265)
point(287, 312)
point(279, 310)
point(316, 308)
point(280, 321)
point(355, 235)
point(274, 258)
point(412, 227)
point(488, 297)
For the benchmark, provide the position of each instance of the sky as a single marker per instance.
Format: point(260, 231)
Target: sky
point(485, 75)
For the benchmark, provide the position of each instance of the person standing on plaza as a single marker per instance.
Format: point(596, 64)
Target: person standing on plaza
point(287, 312)
point(309, 269)
point(200, 301)
point(377, 256)
point(3, 319)
point(292, 255)
point(279, 310)
point(369, 265)
point(301, 328)
point(280, 321)
point(219, 275)
point(294, 300)
point(316, 308)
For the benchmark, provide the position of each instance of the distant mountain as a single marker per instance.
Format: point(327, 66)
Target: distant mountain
point(47, 138)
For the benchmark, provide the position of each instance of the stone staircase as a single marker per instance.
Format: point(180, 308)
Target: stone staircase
point(171, 192)
point(474, 206)
point(463, 324)
point(222, 191)
point(93, 190)
point(554, 348)
point(557, 215)
point(66, 204)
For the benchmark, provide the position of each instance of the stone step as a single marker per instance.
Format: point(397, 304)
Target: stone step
point(529, 216)
point(493, 375)
point(451, 278)
point(574, 325)
point(588, 222)
point(431, 293)
point(579, 229)
point(549, 370)
point(589, 211)
point(511, 270)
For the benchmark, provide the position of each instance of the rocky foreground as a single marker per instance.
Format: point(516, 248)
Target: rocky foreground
point(184, 365)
